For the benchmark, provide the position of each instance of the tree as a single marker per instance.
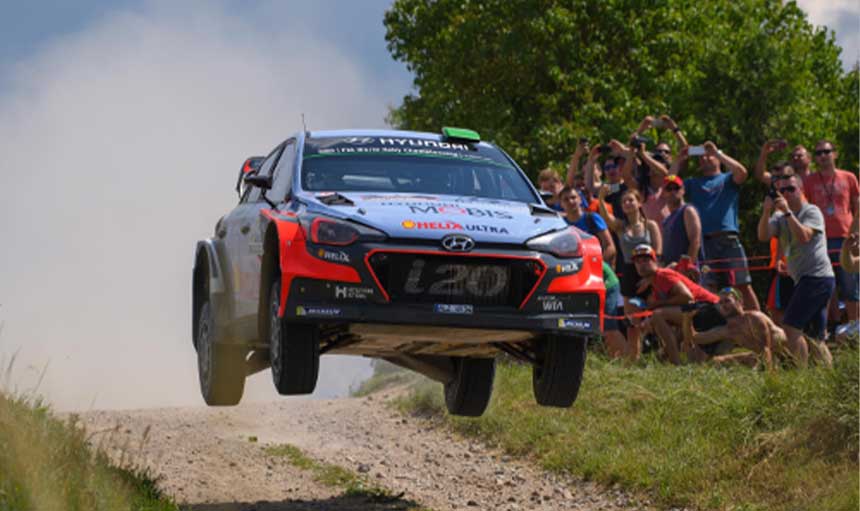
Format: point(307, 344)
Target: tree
point(535, 75)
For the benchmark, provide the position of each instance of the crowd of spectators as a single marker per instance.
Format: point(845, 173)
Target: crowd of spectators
point(675, 268)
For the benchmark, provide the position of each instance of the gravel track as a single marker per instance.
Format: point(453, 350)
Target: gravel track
point(207, 463)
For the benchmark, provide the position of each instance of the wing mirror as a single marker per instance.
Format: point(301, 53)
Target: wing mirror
point(264, 182)
point(545, 195)
point(251, 166)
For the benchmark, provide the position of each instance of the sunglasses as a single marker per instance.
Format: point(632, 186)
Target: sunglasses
point(788, 189)
point(819, 152)
point(671, 188)
point(664, 151)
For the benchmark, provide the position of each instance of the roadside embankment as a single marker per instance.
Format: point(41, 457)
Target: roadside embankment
point(686, 436)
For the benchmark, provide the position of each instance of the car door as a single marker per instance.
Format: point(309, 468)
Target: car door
point(241, 240)
point(255, 224)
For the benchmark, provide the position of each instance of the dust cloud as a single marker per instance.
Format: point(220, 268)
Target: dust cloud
point(120, 145)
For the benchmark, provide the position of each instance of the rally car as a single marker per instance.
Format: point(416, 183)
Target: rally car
point(431, 251)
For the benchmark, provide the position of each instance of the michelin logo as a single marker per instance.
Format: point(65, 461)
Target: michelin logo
point(578, 324)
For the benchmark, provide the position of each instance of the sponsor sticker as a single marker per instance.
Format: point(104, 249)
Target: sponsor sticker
point(579, 324)
point(552, 306)
point(453, 209)
point(567, 268)
point(302, 310)
point(453, 308)
point(336, 257)
point(452, 226)
point(352, 293)
point(434, 226)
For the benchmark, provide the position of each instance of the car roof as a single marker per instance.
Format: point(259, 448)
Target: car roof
point(377, 133)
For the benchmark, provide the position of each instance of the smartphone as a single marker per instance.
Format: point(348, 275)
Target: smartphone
point(583, 140)
point(696, 150)
point(605, 148)
point(781, 144)
point(658, 123)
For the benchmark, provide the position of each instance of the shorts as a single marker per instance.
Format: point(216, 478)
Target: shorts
point(846, 283)
point(610, 308)
point(706, 318)
point(725, 257)
point(779, 293)
point(807, 310)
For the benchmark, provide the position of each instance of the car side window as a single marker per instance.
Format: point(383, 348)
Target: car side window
point(265, 170)
point(283, 174)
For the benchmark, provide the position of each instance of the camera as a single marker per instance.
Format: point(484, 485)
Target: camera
point(638, 140)
point(605, 148)
point(772, 193)
point(658, 123)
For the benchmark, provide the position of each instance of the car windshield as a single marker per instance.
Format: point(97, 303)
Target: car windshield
point(380, 164)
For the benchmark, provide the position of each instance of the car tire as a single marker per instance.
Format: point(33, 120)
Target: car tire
point(294, 350)
point(468, 393)
point(557, 372)
point(220, 367)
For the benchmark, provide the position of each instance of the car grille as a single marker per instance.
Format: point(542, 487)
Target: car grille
point(456, 279)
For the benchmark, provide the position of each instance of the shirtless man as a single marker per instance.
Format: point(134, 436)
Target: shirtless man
point(752, 330)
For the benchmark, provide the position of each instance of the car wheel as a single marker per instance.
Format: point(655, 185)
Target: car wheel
point(557, 372)
point(294, 350)
point(469, 392)
point(220, 367)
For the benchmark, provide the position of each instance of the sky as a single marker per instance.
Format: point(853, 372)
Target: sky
point(122, 127)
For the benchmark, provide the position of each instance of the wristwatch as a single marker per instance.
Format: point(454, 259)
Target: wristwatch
point(787, 214)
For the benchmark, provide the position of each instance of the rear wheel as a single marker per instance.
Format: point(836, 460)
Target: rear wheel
point(220, 367)
point(469, 392)
point(293, 350)
point(557, 372)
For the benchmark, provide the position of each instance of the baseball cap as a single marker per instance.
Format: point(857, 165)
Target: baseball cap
point(644, 249)
point(673, 179)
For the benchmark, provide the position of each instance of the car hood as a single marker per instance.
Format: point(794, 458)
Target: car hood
point(427, 216)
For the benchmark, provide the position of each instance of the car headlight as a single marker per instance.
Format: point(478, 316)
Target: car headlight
point(564, 243)
point(323, 230)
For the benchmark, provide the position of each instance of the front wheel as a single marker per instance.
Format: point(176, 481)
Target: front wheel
point(557, 372)
point(220, 367)
point(294, 350)
point(468, 393)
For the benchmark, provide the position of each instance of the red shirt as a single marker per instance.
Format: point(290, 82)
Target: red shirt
point(666, 278)
point(834, 196)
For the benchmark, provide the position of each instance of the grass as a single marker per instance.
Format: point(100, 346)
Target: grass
point(336, 476)
point(687, 436)
point(46, 464)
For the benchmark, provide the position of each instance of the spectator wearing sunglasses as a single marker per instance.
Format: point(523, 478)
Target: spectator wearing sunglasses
point(650, 169)
point(682, 230)
point(672, 294)
point(715, 196)
point(799, 226)
point(611, 173)
point(781, 286)
point(835, 192)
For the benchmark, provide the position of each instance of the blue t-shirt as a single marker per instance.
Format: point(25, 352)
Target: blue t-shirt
point(716, 198)
point(592, 225)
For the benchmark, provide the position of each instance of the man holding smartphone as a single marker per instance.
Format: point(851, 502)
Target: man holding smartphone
point(715, 195)
point(799, 226)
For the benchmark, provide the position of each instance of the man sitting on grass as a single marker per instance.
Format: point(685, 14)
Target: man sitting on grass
point(752, 330)
point(670, 293)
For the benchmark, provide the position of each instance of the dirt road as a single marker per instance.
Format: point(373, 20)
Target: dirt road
point(216, 459)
